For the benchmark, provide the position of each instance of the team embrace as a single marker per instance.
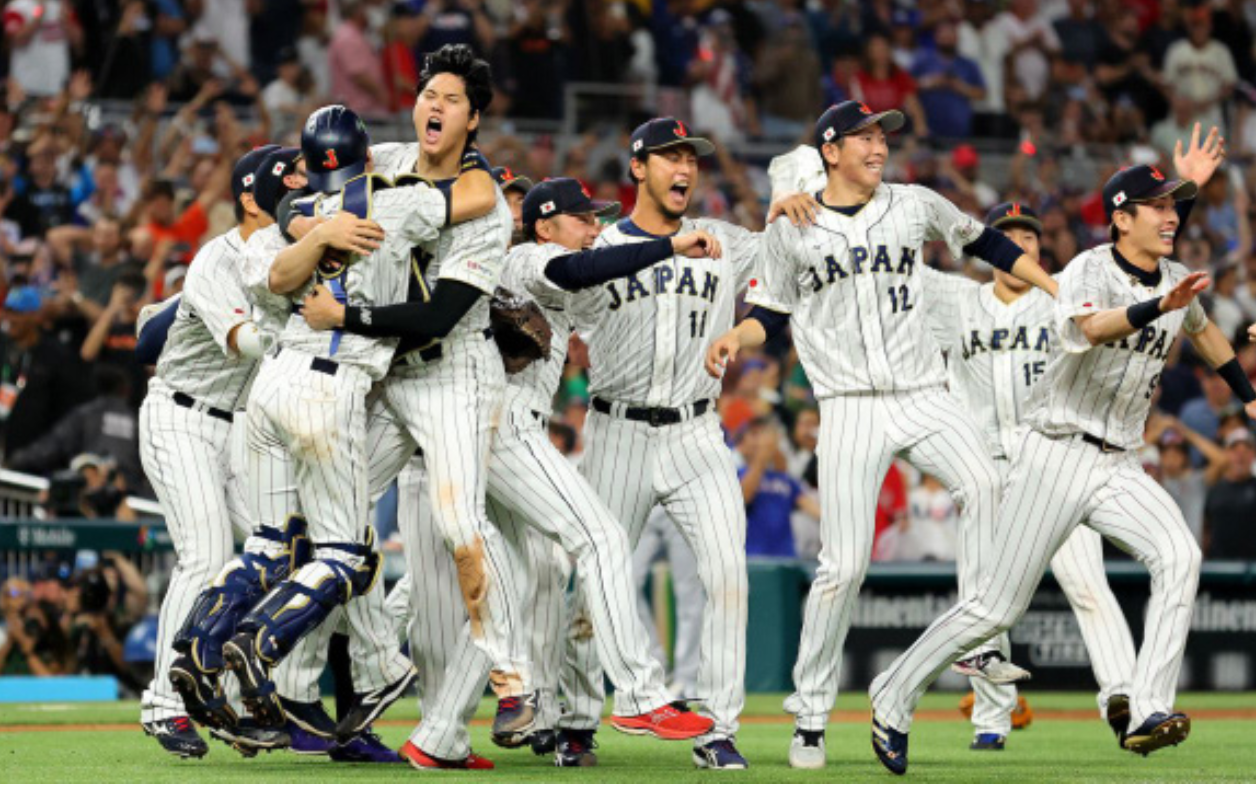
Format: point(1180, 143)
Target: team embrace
point(359, 328)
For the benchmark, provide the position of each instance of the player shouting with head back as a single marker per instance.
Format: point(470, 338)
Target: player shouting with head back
point(851, 288)
point(1119, 310)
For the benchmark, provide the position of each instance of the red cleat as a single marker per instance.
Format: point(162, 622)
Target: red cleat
point(424, 762)
point(672, 722)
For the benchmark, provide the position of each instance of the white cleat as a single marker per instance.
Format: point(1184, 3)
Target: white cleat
point(992, 667)
point(806, 750)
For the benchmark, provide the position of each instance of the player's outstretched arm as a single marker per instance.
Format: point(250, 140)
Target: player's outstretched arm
point(749, 334)
point(1216, 351)
point(293, 267)
point(1111, 325)
point(592, 267)
point(417, 321)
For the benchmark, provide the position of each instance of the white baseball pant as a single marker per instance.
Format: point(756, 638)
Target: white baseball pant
point(688, 469)
point(187, 458)
point(860, 435)
point(1056, 484)
point(661, 538)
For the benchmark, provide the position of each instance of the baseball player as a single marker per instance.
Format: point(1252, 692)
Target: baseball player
point(851, 289)
point(515, 187)
point(531, 486)
point(1120, 307)
point(307, 413)
point(202, 381)
point(998, 338)
point(652, 433)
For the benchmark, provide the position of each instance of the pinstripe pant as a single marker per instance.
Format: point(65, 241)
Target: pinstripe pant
point(450, 407)
point(1056, 484)
point(186, 456)
point(688, 469)
point(859, 437)
point(535, 491)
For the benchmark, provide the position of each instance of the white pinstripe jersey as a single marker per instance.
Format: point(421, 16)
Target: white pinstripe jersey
point(196, 359)
point(648, 333)
point(270, 310)
point(472, 252)
point(524, 275)
point(995, 351)
point(855, 292)
point(409, 215)
point(1106, 391)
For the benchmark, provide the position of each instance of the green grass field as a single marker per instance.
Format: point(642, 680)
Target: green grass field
point(100, 742)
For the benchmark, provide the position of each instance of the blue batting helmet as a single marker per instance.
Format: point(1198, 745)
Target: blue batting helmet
point(334, 145)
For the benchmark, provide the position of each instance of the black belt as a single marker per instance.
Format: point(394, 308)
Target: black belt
point(433, 352)
point(1104, 446)
point(655, 417)
point(319, 364)
point(184, 401)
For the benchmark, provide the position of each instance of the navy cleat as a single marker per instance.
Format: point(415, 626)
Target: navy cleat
point(575, 748)
point(248, 739)
point(988, 741)
point(515, 720)
point(543, 742)
point(368, 706)
point(256, 688)
point(177, 736)
point(719, 754)
point(366, 748)
point(201, 694)
point(1158, 731)
point(310, 717)
point(890, 746)
point(1118, 713)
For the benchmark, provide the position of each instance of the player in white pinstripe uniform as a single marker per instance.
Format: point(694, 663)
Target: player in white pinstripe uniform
point(998, 338)
point(850, 288)
point(652, 436)
point(532, 488)
point(1119, 309)
point(307, 412)
point(202, 380)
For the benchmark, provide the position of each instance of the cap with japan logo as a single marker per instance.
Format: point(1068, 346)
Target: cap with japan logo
point(1140, 184)
point(555, 196)
point(242, 174)
point(843, 119)
point(662, 133)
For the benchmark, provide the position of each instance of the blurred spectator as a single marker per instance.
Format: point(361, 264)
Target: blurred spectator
point(1230, 512)
point(800, 451)
point(97, 257)
point(111, 339)
point(1125, 72)
point(103, 617)
point(720, 78)
point(1187, 485)
point(1201, 68)
point(205, 68)
point(949, 84)
point(35, 644)
point(38, 385)
point(168, 24)
point(882, 85)
point(1246, 295)
point(401, 69)
point(118, 51)
point(675, 28)
point(227, 22)
point(535, 49)
point(787, 82)
point(1026, 41)
point(455, 22)
point(104, 427)
point(770, 494)
point(40, 34)
point(1226, 312)
point(892, 512)
point(357, 71)
point(43, 201)
point(1079, 33)
point(1175, 127)
point(288, 99)
point(1204, 413)
point(929, 532)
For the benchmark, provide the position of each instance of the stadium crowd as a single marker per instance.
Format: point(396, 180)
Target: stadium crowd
point(120, 121)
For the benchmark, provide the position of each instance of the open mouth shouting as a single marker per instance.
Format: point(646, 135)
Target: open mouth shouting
point(678, 194)
point(432, 131)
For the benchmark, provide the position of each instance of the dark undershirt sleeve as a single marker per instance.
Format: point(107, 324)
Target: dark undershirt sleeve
point(773, 322)
point(592, 267)
point(421, 321)
point(996, 249)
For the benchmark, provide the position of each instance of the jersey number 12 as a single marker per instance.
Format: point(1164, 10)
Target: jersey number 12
point(899, 298)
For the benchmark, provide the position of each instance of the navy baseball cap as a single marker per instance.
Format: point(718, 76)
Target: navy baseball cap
point(661, 133)
point(848, 117)
point(268, 185)
point(551, 197)
point(1143, 183)
point(509, 179)
point(335, 144)
point(245, 167)
point(1013, 214)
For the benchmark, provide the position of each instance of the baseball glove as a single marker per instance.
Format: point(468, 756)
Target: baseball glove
point(520, 329)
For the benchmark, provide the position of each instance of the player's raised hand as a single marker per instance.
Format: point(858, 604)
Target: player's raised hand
point(800, 208)
point(347, 232)
point(1198, 162)
point(698, 243)
point(321, 309)
point(1185, 291)
point(722, 352)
